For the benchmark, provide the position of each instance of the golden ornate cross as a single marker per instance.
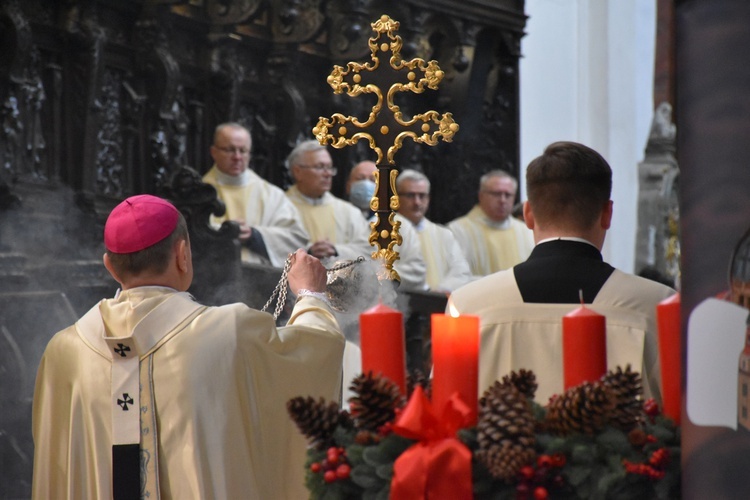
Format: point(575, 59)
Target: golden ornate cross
point(385, 128)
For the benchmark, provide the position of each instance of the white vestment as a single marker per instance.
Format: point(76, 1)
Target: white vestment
point(490, 246)
point(447, 268)
point(517, 335)
point(335, 220)
point(220, 381)
point(264, 207)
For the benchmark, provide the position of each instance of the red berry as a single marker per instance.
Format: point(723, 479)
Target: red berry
point(315, 467)
point(659, 457)
point(540, 493)
point(651, 407)
point(558, 460)
point(333, 456)
point(526, 472)
point(329, 476)
point(544, 461)
point(343, 471)
point(385, 429)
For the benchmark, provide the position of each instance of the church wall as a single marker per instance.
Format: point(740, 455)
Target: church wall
point(587, 75)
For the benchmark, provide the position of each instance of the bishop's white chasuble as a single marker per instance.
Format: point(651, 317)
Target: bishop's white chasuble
point(214, 383)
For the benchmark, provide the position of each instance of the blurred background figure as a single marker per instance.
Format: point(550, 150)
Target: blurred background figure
point(360, 186)
point(490, 237)
point(335, 226)
point(270, 227)
point(447, 268)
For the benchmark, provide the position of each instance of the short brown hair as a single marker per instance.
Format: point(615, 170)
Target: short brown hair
point(154, 258)
point(568, 183)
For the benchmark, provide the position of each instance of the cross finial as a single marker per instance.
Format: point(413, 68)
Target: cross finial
point(385, 128)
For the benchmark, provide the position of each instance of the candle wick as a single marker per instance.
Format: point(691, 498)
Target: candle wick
point(580, 295)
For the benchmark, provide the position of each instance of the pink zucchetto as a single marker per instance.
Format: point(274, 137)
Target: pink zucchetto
point(139, 222)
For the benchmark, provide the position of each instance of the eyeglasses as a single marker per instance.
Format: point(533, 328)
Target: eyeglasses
point(233, 151)
point(500, 194)
point(321, 168)
point(414, 196)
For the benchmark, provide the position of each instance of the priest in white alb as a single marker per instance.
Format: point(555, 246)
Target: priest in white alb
point(153, 395)
point(447, 268)
point(336, 227)
point(490, 237)
point(270, 226)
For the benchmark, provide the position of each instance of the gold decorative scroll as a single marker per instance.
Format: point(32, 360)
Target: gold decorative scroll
point(385, 128)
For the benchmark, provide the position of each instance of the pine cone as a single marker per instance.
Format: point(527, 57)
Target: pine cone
point(505, 431)
point(524, 380)
point(581, 409)
point(375, 403)
point(504, 461)
point(627, 389)
point(316, 419)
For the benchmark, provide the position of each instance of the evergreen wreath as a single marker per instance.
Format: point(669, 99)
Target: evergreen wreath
point(597, 440)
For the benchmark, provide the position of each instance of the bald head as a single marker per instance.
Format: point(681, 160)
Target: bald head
point(231, 148)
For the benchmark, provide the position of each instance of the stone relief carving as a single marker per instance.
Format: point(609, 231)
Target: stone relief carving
point(662, 127)
point(232, 11)
point(657, 240)
point(297, 20)
point(110, 170)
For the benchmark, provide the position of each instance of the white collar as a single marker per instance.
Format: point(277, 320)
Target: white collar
point(146, 287)
point(233, 180)
point(312, 201)
point(567, 238)
point(504, 224)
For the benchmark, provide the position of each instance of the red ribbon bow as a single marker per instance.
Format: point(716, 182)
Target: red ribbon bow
point(439, 465)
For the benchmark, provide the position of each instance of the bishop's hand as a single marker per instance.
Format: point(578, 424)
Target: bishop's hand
point(306, 272)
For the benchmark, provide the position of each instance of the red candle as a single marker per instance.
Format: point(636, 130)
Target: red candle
point(670, 352)
point(455, 361)
point(381, 338)
point(584, 347)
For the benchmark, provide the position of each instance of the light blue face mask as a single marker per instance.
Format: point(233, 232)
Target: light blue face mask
point(361, 193)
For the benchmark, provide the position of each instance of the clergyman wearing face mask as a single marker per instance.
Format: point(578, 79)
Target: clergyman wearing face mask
point(360, 187)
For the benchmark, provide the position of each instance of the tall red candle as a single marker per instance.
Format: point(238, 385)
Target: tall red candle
point(381, 338)
point(455, 360)
point(670, 352)
point(584, 347)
